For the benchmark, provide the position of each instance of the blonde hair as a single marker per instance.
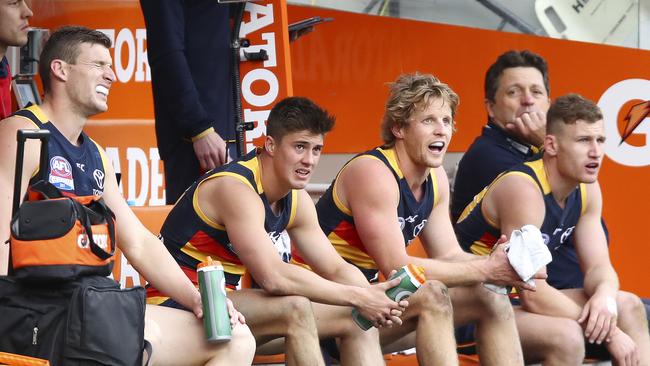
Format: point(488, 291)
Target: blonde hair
point(406, 93)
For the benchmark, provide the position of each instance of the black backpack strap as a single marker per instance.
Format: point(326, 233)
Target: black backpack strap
point(148, 348)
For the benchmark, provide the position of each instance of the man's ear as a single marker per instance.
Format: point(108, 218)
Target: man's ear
point(551, 145)
point(489, 108)
point(269, 145)
point(398, 131)
point(59, 69)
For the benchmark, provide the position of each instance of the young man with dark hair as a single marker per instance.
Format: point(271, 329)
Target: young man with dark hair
point(77, 76)
point(237, 213)
point(14, 25)
point(386, 197)
point(559, 193)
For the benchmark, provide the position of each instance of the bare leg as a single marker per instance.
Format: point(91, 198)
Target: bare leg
point(497, 338)
point(549, 340)
point(427, 324)
point(177, 338)
point(632, 320)
point(291, 317)
point(357, 347)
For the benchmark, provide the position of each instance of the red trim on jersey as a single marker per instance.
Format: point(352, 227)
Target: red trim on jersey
point(348, 232)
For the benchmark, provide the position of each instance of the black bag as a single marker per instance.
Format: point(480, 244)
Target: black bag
point(90, 321)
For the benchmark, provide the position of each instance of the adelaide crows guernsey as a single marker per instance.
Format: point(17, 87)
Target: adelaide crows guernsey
point(74, 170)
point(338, 224)
point(191, 236)
point(478, 234)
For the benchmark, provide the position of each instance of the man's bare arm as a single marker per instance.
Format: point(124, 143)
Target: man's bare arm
point(316, 249)
point(8, 129)
point(146, 253)
point(370, 190)
point(498, 205)
point(599, 315)
point(242, 213)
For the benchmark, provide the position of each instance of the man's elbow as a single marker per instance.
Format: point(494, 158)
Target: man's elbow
point(275, 285)
point(531, 302)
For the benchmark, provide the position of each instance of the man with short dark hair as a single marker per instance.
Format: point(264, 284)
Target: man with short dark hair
point(516, 99)
point(237, 213)
point(77, 73)
point(559, 193)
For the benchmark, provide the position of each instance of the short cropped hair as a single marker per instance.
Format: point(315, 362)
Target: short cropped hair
point(509, 60)
point(64, 44)
point(407, 93)
point(567, 109)
point(295, 114)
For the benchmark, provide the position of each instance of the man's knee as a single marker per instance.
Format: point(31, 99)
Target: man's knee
point(569, 338)
point(629, 303)
point(243, 341)
point(433, 296)
point(298, 310)
point(491, 303)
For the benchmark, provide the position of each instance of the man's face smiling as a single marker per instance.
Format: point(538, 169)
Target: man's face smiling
point(427, 135)
point(91, 77)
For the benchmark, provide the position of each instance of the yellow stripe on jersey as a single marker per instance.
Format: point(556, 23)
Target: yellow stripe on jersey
point(38, 112)
point(195, 197)
point(434, 182)
point(538, 167)
point(479, 248)
point(294, 206)
point(199, 212)
point(392, 160)
point(191, 250)
point(253, 166)
point(352, 254)
point(583, 198)
point(337, 201)
point(303, 265)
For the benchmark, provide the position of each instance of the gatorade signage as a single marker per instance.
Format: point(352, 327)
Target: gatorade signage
point(264, 82)
point(626, 109)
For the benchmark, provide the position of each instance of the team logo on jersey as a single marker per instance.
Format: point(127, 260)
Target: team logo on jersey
point(626, 112)
point(61, 174)
point(99, 178)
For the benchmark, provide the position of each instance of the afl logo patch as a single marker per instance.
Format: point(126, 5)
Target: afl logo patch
point(99, 178)
point(61, 173)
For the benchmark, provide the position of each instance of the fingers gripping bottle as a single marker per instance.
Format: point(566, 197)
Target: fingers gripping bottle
point(212, 285)
point(412, 276)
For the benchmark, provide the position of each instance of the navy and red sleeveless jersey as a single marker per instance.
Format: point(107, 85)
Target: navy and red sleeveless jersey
point(191, 236)
point(478, 234)
point(74, 170)
point(337, 220)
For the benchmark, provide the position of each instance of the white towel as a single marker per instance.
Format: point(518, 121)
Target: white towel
point(527, 254)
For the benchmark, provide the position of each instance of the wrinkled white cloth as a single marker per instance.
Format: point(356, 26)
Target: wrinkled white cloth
point(527, 254)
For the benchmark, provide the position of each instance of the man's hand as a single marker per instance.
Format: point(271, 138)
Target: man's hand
point(378, 308)
point(530, 127)
point(499, 271)
point(235, 316)
point(210, 150)
point(623, 349)
point(598, 318)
